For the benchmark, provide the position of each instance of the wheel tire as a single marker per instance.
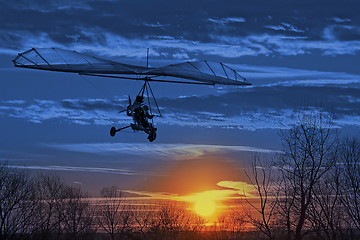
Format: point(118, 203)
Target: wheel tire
point(112, 131)
point(152, 136)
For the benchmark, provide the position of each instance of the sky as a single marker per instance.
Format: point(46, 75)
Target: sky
point(298, 55)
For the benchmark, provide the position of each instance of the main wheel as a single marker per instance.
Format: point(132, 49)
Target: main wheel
point(152, 136)
point(112, 131)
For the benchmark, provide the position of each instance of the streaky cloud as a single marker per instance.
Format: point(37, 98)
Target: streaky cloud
point(171, 151)
point(285, 27)
point(224, 46)
point(242, 187)
point(227, 20)
point(88, 169)
point(341, 20)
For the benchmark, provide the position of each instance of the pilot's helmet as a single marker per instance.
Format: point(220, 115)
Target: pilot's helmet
point(146, 108)
point(139, 99)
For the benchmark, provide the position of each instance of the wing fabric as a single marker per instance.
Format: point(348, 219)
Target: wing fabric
point(202, 71)
point(54, 59)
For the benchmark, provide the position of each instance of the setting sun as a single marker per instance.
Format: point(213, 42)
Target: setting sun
point(207, 203)
point(205, 207)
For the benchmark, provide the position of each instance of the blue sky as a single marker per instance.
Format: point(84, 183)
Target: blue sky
point(294, 53)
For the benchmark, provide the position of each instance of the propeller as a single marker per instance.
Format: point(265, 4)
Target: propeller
point(127, 109)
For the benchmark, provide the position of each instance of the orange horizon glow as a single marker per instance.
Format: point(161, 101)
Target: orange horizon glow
point(209, 204)
point(207, 185)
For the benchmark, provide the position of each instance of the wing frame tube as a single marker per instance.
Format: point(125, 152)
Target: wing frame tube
point(146, 79)
point(41, 57)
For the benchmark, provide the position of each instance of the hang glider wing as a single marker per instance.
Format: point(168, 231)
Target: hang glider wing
point(202, 71)
point(54, 59)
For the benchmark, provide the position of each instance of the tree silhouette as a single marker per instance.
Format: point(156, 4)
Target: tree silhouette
point(112, 215)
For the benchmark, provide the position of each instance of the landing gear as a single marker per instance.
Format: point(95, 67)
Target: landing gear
point(139, 111)
point(112, 131)
point(152, 135)
point(151, 130)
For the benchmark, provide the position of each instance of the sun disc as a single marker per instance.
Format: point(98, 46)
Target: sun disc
point(205, 207)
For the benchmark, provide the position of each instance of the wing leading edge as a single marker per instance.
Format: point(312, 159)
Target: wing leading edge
point(54, 59)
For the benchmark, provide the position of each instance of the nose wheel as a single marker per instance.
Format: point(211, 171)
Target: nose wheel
point(113, 130)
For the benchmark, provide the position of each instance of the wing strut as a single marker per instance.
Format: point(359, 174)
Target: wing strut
point(146, 87)
point(154, 100)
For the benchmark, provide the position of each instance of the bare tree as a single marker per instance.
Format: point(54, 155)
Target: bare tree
point(143, 219)
point(176, 219)
point(230, 226)
point(77, 216)
point(166, 220)
point(16, 203)
point(112, 215)
point(350, 191)
point(326, 212)
point(169, 219)
point(261, 176)
point(286, 187)
point(309, 151)
point(49, 192)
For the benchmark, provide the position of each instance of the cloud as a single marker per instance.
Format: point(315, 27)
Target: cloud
point(285, 27)
point(216, 195)
point(88, 169)
point(50, 6)
point(155, 25)
point(281, 74)
point(85, 23)
point(314, 82)
point(166, 151)
point(251, 120)
point(247, 120)
point(211, 195)
point(76, 111)
point(227, 20)
point(241, 187)
point(224, 46)
point(266, 44)
point(265, 105)
point(337, 32)
point(341, 20)
point(234, 190)
point(285, 45)
point(19, 102)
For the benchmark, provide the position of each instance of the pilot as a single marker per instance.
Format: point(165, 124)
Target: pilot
point(138, 109)
point(141, 112)
point(139, 100)
point(144, 116)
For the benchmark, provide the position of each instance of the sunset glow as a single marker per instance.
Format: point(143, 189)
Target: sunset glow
point(205, 207)
point(209, 204)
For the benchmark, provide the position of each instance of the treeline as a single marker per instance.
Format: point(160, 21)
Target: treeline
point(311, 189)
point(44, 207)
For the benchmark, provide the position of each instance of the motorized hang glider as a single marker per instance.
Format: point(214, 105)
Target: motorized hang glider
point(196, 72)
